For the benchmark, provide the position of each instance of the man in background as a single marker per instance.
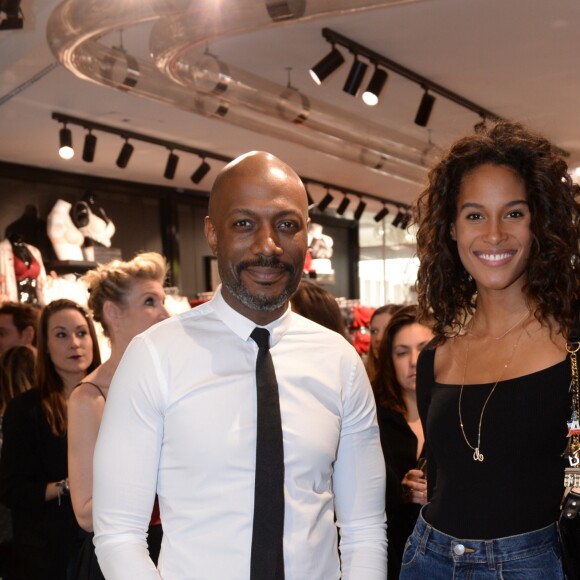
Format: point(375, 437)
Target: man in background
point(17, 325)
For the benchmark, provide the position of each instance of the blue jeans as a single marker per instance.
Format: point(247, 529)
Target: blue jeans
point(432, 555)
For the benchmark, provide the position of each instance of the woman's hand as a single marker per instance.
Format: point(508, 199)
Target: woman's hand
point(414, 487)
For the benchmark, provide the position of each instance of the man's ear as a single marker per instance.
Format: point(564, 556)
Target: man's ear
point(210, 234)
point(452, 232)
point(28, 335)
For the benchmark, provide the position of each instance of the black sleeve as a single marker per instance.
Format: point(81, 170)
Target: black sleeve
point(22, 486)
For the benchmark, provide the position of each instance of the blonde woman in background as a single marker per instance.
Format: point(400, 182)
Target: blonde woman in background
point(126, 298)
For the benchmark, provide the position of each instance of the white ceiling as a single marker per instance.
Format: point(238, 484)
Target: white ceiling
point(516, 58)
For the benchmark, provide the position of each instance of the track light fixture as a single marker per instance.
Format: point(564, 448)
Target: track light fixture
point(373, 92)
point(323, 69)
point(406, 221)
point(310, 199)
point(376, 84)
point(65, 150)
point(204, 167)
point(89, 147)
point(355, 77)
point(125, 154)
point(326, 200)
point(343, 205)
point(360, 208)
point(398, 219)
point(171, 166)
point(424, 110)
point(381, 214)
point(201, 171)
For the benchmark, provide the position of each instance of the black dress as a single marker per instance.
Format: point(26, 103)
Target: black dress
point(46, 534)
point(399, 445)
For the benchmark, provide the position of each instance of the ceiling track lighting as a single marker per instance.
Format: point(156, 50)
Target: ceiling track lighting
point(323, 69)
point(379, 78)
point(381, 214)
point(343, 205)
point(89, 147)
point(65, 149)
point(424, 110)
point(125, 154)
point(171, 165)
point(204, 168)
point(355, 77)
point(373, 91)
point(360, 208)
point(326, 201)
point(201, 171)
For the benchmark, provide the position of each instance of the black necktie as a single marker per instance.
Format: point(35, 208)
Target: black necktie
point(267, 561)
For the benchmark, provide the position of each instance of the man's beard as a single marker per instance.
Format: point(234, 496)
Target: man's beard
point(258, 301)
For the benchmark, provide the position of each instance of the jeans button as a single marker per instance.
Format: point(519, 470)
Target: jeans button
point(459, 549)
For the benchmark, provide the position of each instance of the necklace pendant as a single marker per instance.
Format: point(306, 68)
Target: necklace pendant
point(477, 455)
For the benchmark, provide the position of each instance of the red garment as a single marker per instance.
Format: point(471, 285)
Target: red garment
point(361, 341)
point(362, 316)
point(22, 270)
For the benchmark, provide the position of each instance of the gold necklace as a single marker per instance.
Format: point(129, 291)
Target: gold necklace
point(520, 320)
point(477, 454)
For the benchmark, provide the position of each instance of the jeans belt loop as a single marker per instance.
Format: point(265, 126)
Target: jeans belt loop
point(424, 538)
point(489, 555)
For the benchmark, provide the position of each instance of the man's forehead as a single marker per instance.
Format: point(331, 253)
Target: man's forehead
point(6, 320)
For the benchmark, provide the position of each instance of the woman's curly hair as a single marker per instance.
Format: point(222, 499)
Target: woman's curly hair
point(446, 292)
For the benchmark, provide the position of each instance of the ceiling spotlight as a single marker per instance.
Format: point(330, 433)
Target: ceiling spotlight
point(310, 199)
point(343, 205)
point(326, 66)
point(360, 208)
point(65, 150)
point(12, 18)
point(424, 110)
point(89, 147)
point(125, 154)
point(201, 171)
point(375, 86)
point(171, 166)
point(326, 201)
point(355, 77)
point(382, 214)
point(406, 221)
point(398, 218)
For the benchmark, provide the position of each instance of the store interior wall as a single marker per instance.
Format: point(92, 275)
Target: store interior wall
point(152, 218)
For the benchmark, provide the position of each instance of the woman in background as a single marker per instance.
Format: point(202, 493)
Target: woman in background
point(317, 304)
point(499, 224)
point(33, 467)
point(400, 427)
point(126, 298)
point(378, 323)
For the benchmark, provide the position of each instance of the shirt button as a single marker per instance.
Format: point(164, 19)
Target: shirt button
point(459, 549)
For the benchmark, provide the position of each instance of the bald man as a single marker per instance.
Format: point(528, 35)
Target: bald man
point(180, 419)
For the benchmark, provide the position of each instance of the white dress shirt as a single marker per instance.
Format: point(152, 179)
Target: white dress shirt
point(180, 420)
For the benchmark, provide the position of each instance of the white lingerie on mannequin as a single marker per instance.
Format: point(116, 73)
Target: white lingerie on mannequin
point(66, 239)
point(321, 249)
point(98, 229)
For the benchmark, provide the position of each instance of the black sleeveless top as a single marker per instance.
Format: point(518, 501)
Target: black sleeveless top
point(519, 485)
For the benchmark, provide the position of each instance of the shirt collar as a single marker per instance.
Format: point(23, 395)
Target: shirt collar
point(243, 326)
